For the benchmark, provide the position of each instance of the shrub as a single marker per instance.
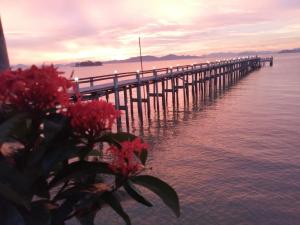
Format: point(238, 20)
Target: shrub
point(60, 159)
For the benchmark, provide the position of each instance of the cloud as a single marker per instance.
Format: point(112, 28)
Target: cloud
point(99, 29)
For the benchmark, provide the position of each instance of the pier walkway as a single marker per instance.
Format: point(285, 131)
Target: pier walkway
point(152, 87)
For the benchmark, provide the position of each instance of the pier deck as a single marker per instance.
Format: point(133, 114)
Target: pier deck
point(197, 81)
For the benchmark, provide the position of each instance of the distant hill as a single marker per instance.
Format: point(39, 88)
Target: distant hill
point(178, 57)
point(171, 57)
point(19, 66)
point(295, 50)
point(154, 58)
point(235, 54)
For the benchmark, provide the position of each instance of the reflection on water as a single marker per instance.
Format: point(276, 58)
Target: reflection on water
point(234, 160)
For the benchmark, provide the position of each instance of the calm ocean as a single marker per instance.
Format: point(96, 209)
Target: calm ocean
point(233, 160)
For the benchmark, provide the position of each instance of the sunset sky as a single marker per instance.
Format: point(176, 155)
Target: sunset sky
point(66, 30)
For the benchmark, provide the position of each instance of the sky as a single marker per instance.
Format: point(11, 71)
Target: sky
point(40, 31)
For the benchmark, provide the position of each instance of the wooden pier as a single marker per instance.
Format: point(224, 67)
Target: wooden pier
point(157, 91)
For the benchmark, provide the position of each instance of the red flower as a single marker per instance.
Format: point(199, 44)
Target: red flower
point(35, 90)
point(124, 160)
point(91, 119)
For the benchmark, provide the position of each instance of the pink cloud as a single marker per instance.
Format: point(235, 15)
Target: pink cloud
point(67, 30)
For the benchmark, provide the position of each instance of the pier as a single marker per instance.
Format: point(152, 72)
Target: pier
point(157, 90)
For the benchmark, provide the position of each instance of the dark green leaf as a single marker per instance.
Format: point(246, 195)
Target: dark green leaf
point(56, 127)
point(114, 203)
point(9, 175)
point(8, 125)
point(11, 195)
point(41, 188)
point(167, 194)
point(117, 138)
point(58, 154)
point(135, 194)
point(60, 214)
point(9, 215)
point(39, 213)
point(78, 169)
point(143, 156)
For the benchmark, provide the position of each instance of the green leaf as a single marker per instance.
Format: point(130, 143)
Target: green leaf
point(114, 203)
point(144, 156)
point(40, 188)
point(9, 215)
point(135, 194)
point(8, 125)
point(117, 138)
point(39, 213)
point(80, 168)
point(56, 128)
point(11, 195)
point(58, 154)
point(10, 177)
point(167, 194)
point(60, 214)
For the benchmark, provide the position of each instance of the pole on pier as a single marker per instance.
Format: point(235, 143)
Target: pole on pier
point(4, 62)
point(141, 58)
point(142, 68)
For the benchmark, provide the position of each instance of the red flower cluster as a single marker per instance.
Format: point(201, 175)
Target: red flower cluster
point(34, 89)
point(90, 119)
point(124, 160)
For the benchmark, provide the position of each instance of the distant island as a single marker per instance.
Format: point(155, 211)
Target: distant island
point(154, 58)
point(294, 50)
point(88, 63)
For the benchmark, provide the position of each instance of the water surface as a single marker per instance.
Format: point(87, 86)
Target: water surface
point(235, 160)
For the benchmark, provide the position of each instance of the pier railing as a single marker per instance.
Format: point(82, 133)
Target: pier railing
point(196, 81)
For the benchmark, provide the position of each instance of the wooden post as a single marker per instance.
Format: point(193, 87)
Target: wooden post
point(91, 82)
point(156, 96)
point(210, 83)
point(153, 95)
point(117, 101)
point(177, 91)
point(205, 82)
point(196, 84)
point(271, 61)
point(215, 80)
point(131, 103)
point(187, 89)
point(224, 77)
point(163, 95)
point(139, 97)
point(173, 90)
point(220, 78)
point(193, 86)
point(106, 96)
point(148, 100)
point(201, 83)
point(126, 108)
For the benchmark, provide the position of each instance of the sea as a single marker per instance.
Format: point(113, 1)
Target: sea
point(233, 159)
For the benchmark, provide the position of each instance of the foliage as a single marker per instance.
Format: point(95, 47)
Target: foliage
point(60, 159)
